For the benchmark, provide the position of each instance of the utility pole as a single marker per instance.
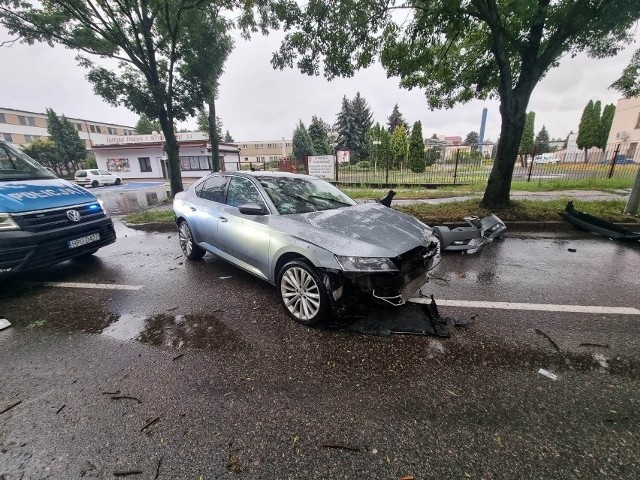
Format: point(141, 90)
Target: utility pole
point(634, 198)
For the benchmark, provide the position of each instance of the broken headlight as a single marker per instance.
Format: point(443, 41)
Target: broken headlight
point(366, 264)
point(7, 222)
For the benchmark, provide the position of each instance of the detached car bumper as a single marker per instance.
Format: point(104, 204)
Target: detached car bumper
point(23, 250)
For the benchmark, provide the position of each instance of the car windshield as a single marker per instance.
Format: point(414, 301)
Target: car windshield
point(303, 195)
point(15, 165)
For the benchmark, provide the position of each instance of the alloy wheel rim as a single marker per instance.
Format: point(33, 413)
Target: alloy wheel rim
point(300, 293)
point(185, 239)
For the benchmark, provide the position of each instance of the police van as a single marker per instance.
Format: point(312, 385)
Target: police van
point(44, 219)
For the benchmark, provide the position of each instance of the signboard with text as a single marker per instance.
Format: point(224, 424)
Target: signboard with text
point(322, 167)
point(343, 156)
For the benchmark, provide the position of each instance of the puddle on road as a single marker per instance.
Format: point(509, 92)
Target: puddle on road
point(177, 331)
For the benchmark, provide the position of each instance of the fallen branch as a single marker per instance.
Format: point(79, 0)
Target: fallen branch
point(60, 409)
point(125, 397)
point(555, 345)
point(341, 446)
point(111, 393)
point(178, 356)
point(588, 344)
point(124, 473)
point(149, 424)
point(11, 406)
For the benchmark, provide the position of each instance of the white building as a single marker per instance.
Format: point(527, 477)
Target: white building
point(143, 156)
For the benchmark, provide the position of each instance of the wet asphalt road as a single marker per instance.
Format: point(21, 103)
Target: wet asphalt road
point(255, 395)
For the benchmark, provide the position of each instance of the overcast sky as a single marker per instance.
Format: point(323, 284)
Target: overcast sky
point(257, 102)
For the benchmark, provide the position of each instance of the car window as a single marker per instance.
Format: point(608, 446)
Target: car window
point(303, 194)
point(102, 172)
point(213, 188)
point(241, 191)
point(94, 172)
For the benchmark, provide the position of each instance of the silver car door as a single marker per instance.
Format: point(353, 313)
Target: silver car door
point(245, 237)
point(205, 210)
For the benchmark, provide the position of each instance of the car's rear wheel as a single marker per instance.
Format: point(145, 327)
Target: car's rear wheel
point(118, 181)
point(187, 245)
point(94, 183)
point(302, 293)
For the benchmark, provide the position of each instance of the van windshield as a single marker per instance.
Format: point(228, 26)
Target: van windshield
point(16, 165)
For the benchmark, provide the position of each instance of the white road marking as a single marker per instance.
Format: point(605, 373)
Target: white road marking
point(542, 307)
point(97, 286)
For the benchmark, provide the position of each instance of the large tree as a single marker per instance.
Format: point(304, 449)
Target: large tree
point(45, 152)
point(472, 139)
point(399, 145)
point(162, 47)
point(363, 119)
point(458, 50)
point(526, 141)
point(589, 130)
point(607, 119)
point(396, 119)
point(70, 148)
point(346, 128)
point(416, 149)
point(319, 132)
point(302, 143)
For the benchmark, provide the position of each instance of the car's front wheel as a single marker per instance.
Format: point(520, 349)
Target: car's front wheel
point(302, 293)
point(118, 181)
point(187, 245)
point(95, 183)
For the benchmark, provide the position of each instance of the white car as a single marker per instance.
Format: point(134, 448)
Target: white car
point(96, 178)
point(545, 158)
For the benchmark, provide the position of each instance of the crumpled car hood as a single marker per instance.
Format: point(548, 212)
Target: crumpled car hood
point(369, 230)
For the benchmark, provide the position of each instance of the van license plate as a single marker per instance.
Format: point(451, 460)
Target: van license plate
point(78, 242)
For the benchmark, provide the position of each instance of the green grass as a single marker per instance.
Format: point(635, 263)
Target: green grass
point(520, 210)
point(151, 216)
point(407, 193)
point(603, 184)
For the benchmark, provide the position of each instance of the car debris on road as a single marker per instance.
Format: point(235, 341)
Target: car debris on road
point(472, 238)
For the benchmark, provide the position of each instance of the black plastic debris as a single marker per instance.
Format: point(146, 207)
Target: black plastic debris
point(410, 318)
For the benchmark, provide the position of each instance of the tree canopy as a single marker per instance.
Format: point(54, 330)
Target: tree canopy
point(629, 81)
point(319, 133)
point(302, 143)
point(472, 139)
point(416, 149)
point(352, 124)
point(590, 129)
point(526, 142)
point(70, 148)
point(606, 121)
point(542, 141)
point(396, 119)
point(163, 49)
point(457, 50)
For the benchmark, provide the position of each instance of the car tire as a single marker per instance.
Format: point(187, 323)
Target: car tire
point(187, 245)
point(302, 293)
point(118, 181)
point(95, 183)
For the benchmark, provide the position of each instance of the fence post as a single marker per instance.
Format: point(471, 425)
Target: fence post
point(455, 170)
point(386, 172)
point(613, 161)
point(533, 155)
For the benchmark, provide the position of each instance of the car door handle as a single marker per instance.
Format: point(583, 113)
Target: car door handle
point(192, 209)
point(222, 219)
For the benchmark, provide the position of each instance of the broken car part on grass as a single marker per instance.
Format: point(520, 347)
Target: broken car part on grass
point(585, 221)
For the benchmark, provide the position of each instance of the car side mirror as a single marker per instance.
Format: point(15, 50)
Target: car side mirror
point(252, 209)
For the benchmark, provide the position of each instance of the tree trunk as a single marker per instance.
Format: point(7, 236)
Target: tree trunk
point(213, 133)
point(513, 109)
point(586, 155)
point(634, 199)
point(172, 148)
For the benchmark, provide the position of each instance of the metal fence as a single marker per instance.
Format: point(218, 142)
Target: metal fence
point(451, 165)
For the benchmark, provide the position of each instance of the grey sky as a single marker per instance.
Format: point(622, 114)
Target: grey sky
point(259, 103)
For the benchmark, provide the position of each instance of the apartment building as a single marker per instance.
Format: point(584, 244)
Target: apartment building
point(263, 151)
point(22, 127)
point(625, 128)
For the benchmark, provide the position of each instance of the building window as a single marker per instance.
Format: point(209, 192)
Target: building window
point(28, 121)
point(195, 162)
point(145, 164)
point(3, 118)
point(7, 137)
point(92, 128)
point(29, 138)
point(638, 121)
point(79, 126)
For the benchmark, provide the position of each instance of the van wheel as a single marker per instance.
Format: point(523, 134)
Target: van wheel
point(118, 181)
point(302, 293)
point(187, 245)
point(94, 184)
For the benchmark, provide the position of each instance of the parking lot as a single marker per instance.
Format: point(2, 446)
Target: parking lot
point(139, 361)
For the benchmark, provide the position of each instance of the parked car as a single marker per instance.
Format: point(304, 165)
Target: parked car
point(96, 178)
point(320, 248)
point(44, 219)
point(620, 160)
point(544, 158)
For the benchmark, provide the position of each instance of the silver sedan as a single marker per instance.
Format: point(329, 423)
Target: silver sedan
point(322, 250)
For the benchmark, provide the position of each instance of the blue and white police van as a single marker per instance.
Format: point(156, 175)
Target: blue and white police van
point(44, 219)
